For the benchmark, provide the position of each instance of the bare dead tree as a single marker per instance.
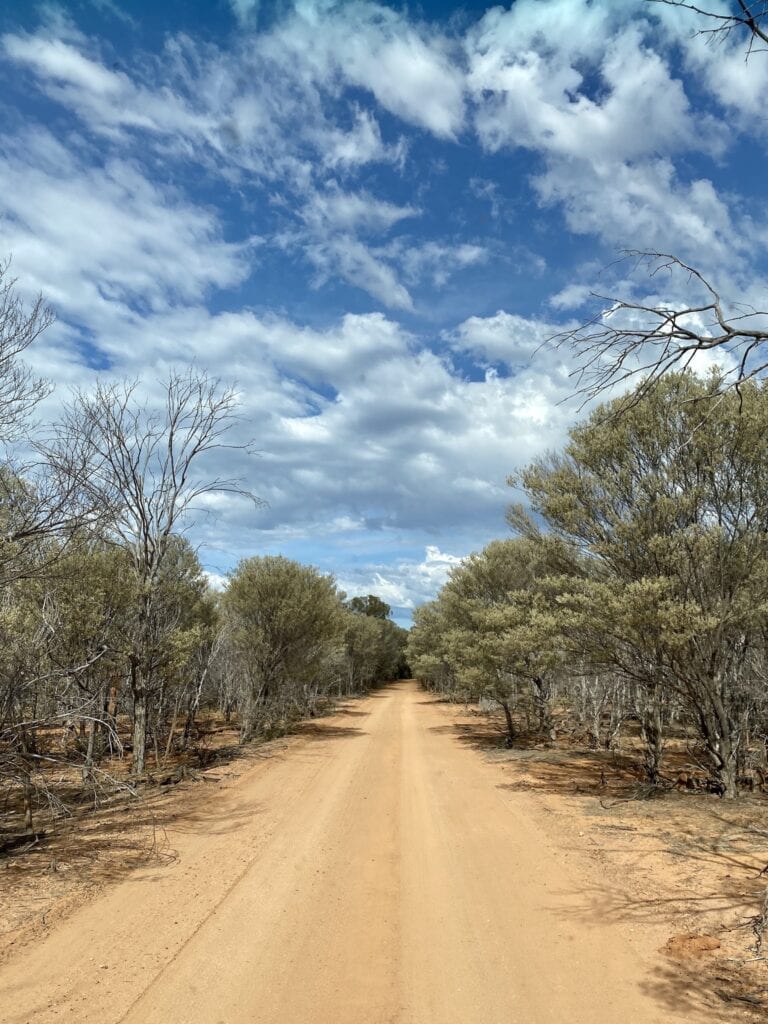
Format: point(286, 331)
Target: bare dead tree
point(20, 389)
point(630, 339)
point(36, 500)
point(145, 467)
point(749, 17)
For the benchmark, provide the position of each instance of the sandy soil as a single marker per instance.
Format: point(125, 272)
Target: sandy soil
point(376, 870)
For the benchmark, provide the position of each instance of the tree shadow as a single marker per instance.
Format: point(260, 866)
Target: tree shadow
point(94, 847)
point(701, 988)
point(685, 989)
point(716, 856)
point(555, 769)
point(320, 731)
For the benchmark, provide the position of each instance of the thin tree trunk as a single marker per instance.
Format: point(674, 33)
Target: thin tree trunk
point(510, 722)
point(653, 744)
point(28, 794)
point(88, 764)
point(138, 685)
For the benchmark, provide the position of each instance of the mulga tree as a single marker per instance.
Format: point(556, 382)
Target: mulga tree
point(428, 652)
point(374, 645)
point(664, 500)
point(510, 645)
point(493, 630)
point(285, 621)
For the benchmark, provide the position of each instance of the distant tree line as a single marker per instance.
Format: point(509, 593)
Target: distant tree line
point(112, 643)
point(634, 594)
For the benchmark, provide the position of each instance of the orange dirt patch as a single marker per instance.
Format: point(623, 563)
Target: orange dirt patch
point(687, 947)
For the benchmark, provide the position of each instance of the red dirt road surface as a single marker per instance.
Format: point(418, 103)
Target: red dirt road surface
point(374, 873)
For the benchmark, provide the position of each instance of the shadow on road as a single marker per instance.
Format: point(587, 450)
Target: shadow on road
point(89, 849)
point(320, 731)
point(712, 856)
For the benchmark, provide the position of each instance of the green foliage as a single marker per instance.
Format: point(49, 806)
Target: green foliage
point(667, 503)
point(371, 605)
point(642, 552)
point(493, 631)
point(285, 621)
point(374, 650)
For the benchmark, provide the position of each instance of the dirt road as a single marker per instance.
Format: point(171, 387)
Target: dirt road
point(373, 873)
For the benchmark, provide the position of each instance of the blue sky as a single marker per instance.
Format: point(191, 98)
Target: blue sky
point(370, 216)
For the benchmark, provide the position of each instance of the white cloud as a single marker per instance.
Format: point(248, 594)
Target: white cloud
point(216, 581)
point(408, 69)
point(269, 110)
point(406, 584)
point(361, 144)
point(334, 209)
point(435, 261)
point(314, 127)
point(720, 64)
point(590, 87)
point(63, 64)
point(573, 296)
point(504, 338)
point(587, 85)
point(357, 424)
point(540, 97)
point(347, 257)
point(245, 104)
point(97, 239)
point(245, 10)
point(644, 206)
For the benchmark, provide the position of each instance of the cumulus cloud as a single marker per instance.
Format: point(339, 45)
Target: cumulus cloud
point(647, 203)
point(408, 68)
point(539, 96)
point(436, 261)
point(504, 338)
point(406, 584)
point(243, 104)
point(271, 109)
point(358, 424)
point(573, 296)
point(590, 87)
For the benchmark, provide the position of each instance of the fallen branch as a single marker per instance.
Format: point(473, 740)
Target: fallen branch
point(728, 997)
point(26, 840)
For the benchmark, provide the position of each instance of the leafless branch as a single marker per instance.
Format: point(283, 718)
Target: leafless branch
point(20, 389)
point(628, 339)
point(749, 16)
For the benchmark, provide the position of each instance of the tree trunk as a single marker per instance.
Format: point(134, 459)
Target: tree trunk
point(28, 794)
point(88, 763)
point(652, 735)
point(192, 709)
point(509, 721)
point(28, 789)
point(139, 688)
point(728, 778)
point(726, 767)
point(139, 730)
point(543, 699)
point(723, 740)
